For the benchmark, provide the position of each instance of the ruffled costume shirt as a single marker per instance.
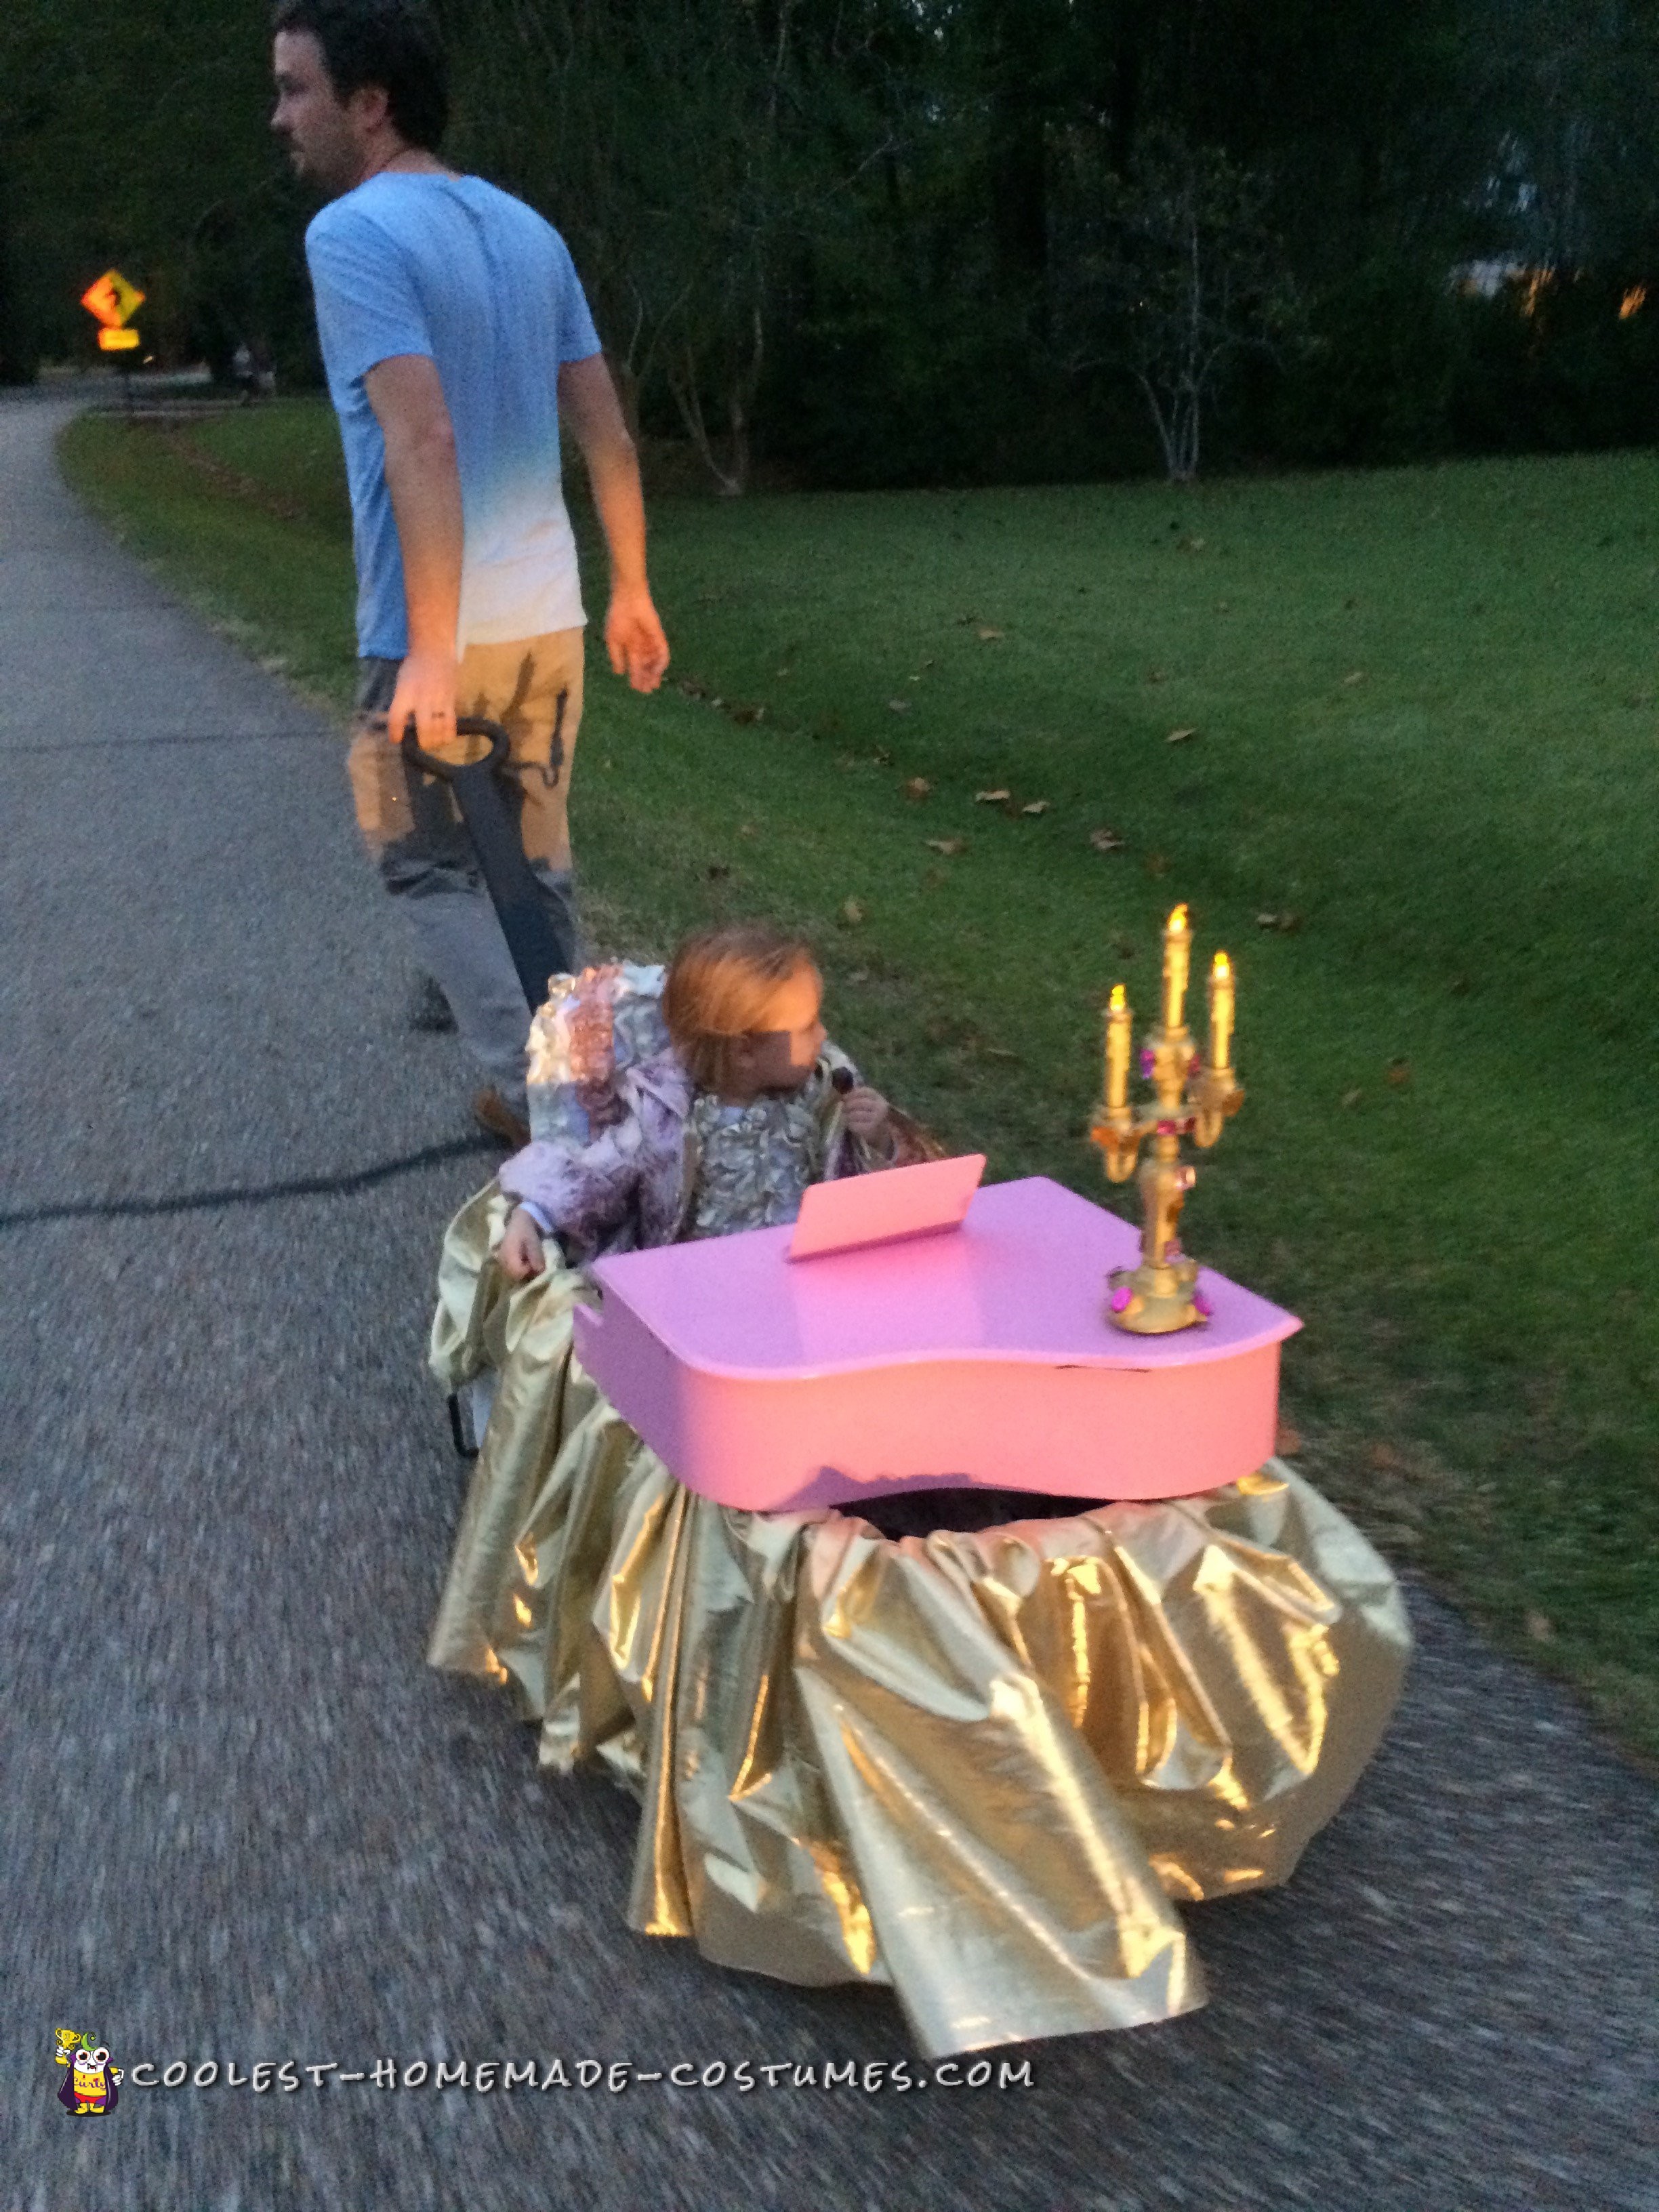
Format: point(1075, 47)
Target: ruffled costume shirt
point(679, 1162)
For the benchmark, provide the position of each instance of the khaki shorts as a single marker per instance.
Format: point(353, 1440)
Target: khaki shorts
point(534, 689)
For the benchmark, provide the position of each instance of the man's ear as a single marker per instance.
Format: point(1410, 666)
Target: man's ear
point(369, 107)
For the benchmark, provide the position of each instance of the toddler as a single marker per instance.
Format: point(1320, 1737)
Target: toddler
point(745, 1103)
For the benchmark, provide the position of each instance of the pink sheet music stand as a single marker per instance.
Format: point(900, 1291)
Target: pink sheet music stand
point(876, 1209)
point(981, 1356)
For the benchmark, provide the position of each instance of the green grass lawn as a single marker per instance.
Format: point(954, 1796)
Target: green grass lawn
point(1424, 729)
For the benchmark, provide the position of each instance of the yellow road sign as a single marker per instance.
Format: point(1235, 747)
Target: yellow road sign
point(117, 341)
point(112, 300)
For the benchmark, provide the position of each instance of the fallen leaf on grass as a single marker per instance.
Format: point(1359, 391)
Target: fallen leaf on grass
point(1037, 806)
point(917, 787)
point(1124, 948)
point(1155, 863)
point(1286, 924)
point(1287, 1440)
point(898, 706)
point(1106, 841)
point(949, 846)
point(1155, 676)
point(997, 1052)
point(1223, 606)
point(860, 975)
point(882, 758)
point(1399, 1072)
point(747, 829)
point(852, 913)
point(1385, 1460)
point(1541, 1628)
point(988, 634)
point(990, 798)
point(1357, 677)
point(1190, 546)
point(1352, 1097)
point(1179, 737)
point(716, 869)
point(745, 714)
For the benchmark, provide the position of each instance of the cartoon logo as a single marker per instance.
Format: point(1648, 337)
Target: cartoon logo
point(90, 2084)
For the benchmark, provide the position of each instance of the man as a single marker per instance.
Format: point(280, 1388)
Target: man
point(455, 335)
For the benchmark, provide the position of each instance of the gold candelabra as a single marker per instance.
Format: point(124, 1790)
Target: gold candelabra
point(1193, 1097)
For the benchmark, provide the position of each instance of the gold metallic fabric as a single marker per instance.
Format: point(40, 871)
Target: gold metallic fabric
point(983, 1768)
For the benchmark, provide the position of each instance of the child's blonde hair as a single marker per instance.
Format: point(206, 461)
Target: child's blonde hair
point(720, 985)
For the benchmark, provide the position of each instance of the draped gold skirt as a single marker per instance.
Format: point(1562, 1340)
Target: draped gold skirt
point(977, 1767)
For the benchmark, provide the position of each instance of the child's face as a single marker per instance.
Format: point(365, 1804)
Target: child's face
point(780, 1054)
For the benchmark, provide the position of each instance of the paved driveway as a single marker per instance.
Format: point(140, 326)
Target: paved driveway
point(239, 1820)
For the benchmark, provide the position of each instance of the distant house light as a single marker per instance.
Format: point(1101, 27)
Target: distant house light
point(1484, 280)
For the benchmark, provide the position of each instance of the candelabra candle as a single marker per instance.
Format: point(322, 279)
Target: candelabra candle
point(1177, 950)
point(1221, 1011)
point(1119, 1027)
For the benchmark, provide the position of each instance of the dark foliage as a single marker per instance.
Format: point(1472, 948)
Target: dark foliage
point(859, 243)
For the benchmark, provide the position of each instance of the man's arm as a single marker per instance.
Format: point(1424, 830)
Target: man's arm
point(425, 485)
point(587, 401)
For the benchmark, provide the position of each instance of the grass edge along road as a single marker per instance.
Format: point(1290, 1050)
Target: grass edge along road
point(1395, 739)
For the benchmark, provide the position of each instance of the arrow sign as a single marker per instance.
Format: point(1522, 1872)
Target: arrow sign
point(112, 299)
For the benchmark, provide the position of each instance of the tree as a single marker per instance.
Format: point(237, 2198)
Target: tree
point(1175, 275)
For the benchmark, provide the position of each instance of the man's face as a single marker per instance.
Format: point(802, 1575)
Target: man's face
point(323, 133)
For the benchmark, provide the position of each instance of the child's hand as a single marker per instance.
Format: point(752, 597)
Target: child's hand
point(520, 1253)
point(865, 1112)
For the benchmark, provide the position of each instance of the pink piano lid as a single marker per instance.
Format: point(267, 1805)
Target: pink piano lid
point(1023, 1279)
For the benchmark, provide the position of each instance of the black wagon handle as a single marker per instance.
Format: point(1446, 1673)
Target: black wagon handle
point(466, 726)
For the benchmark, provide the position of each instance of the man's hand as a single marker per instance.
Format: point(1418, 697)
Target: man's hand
point(634, 637)
point(426, 689)
point(587, 401)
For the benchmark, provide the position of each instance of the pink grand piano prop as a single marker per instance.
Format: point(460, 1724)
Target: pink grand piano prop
point(954, 1355)
point(912, 1332)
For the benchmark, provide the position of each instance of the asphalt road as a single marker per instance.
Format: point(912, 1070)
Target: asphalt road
point(239, 1819)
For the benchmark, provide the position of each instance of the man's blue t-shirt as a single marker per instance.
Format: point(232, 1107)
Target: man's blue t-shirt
point(449, 267)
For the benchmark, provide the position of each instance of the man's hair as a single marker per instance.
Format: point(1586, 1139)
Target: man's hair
point(393, 44)
point(720, 985)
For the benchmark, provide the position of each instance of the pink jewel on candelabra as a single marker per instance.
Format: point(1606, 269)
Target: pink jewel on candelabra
point(1201, 1304)
point(1148, 1060)
point(1120, 1297)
